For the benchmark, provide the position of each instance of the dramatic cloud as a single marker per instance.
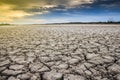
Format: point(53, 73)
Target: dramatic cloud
point(14, 9)
point(8, 14)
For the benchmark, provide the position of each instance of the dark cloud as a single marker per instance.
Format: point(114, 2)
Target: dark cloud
point(107, 3)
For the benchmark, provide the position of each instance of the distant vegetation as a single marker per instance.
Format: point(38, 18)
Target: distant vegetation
point(108, 22)
point(2, 24)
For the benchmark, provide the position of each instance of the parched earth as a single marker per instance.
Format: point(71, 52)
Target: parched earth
point(60, 52)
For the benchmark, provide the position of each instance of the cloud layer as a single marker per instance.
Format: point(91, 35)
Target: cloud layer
point(15, 9)
point(44, 10)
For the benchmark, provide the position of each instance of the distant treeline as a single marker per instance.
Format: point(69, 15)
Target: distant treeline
point(109, 22)
point(1, 24)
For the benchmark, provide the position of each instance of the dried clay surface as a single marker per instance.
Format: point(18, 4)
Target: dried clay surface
point(60, 52)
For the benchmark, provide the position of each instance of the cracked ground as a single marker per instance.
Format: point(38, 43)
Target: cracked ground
point(60, 52)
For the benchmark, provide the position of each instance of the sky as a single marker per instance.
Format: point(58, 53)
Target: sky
point(58, 11)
